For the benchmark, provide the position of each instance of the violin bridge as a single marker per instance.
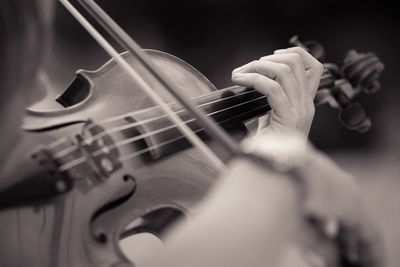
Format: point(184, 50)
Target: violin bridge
point(91, 157)
point(99, 150)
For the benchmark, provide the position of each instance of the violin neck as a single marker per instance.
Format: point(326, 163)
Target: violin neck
point(229, 107)
point(234, 105)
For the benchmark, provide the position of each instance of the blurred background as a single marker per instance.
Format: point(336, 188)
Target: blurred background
point(217, 36)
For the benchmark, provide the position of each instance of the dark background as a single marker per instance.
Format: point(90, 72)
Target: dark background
point(218, 36)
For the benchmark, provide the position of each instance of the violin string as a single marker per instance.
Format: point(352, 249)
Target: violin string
point(89, 140)
point(73, 148)
point(148, 149)
point(217, 92)
point(141, 136)
point(135, 76)
point(154, 108)
point(102, 122)
point(138, 137)
point(71, 164)
point(57, 142)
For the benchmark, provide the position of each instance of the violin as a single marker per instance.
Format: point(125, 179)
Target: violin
point(109, 163)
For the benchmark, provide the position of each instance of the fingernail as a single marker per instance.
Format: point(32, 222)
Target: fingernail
point(237, 70)
point(280, 51)
point(237, 76)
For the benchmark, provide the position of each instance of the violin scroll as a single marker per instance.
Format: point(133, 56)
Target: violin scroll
point(359, 74)
point(363, 70)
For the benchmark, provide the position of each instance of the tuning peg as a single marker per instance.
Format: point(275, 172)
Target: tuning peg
point(363, 70)
point(353, 117)
point(313, 47)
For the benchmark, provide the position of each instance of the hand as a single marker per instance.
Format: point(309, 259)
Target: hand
point(335, 197)
point(289, 78)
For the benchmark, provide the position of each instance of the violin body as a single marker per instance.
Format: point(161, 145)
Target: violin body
point(74, 186)
point(108, 164)
point(82, 227)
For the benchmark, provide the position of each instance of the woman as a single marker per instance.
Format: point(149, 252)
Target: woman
point(238, 223)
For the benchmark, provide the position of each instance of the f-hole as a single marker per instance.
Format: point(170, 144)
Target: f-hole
point(76, 92)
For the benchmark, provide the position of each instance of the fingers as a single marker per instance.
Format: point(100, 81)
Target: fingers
point(293, 75)
point(271, 89)
point(296, 65)
point(313, 67)
point(281, 73)
point(303, 100)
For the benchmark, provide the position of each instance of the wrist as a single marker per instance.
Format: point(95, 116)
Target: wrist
point(283, 153)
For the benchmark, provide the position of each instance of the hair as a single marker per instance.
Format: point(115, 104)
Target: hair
point(25, 31)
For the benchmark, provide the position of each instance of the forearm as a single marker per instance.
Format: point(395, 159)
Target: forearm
point(244, 221)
